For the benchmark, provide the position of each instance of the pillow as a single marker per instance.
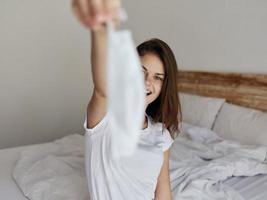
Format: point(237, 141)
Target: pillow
point(198, 134)
point(199, 110)
point(245, 125)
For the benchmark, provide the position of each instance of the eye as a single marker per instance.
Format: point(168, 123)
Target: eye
point(144, 72)
point(159, 78)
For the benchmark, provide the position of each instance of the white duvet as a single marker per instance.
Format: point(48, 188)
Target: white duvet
point(53, 171)
point(199, 162)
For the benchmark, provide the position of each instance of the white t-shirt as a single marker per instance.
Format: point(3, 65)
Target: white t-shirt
point(133, 177)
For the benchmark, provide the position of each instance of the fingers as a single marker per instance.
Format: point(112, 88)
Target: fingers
point(94, 13)
point(112, 8)
point(97, 15)
point(96, 8)
point(78, 11)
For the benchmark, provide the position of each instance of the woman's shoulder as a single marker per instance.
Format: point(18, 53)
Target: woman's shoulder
point(162, 134)
point(158, 127)
point(155, 125)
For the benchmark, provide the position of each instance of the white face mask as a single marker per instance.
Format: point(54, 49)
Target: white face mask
point(126, 97)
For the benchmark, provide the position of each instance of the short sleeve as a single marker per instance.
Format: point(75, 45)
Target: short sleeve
point(98, 128)
point(167, 140)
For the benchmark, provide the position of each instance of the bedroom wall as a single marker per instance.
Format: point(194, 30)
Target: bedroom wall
point(44, 72)
point(44, 55)
point(206, 35)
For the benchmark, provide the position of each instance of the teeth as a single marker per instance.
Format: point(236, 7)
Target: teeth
point(147, 92)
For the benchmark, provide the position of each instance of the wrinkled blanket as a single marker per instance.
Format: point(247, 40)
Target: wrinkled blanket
point(199, 163)
point(53, 171)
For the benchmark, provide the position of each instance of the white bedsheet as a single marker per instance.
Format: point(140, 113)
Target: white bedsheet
point(250, 188)
point(8, 188)
point(200, 161)
point(53, 171)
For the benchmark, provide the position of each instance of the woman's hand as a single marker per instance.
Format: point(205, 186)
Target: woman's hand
point(94, 13)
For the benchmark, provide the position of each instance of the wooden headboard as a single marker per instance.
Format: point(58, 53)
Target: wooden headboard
point(248, 90)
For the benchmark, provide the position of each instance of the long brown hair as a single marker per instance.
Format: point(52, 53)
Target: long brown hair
point(166, 108)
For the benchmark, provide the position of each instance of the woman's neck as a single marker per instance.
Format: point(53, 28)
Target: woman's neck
point(145, 123)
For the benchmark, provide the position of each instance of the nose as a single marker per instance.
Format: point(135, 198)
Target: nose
point(148, 79)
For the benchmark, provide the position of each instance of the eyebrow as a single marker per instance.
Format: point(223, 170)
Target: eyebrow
point(155, 73)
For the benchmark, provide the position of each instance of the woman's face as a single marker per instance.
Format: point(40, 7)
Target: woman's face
point(154, 76)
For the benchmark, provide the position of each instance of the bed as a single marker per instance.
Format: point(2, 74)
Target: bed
point(8, 188)
point(243, 111)
point(245, 90)
point(251, 188)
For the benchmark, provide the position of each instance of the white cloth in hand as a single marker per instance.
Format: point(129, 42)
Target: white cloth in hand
point(126, 92)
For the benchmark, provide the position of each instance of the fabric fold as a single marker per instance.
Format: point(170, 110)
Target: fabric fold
point(126, 92)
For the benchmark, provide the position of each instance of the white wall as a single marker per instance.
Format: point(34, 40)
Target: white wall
point(44, 71)
point(207, 35)
point(44, 55)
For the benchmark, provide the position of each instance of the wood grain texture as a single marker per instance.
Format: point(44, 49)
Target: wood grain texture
point(248, 90)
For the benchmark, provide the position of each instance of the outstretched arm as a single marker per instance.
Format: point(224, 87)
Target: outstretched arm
point(94, 14)
point(97, 106)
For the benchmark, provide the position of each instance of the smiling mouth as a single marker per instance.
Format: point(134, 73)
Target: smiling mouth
point(148, 93)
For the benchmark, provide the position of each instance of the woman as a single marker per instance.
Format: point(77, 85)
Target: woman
point(144, 175)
